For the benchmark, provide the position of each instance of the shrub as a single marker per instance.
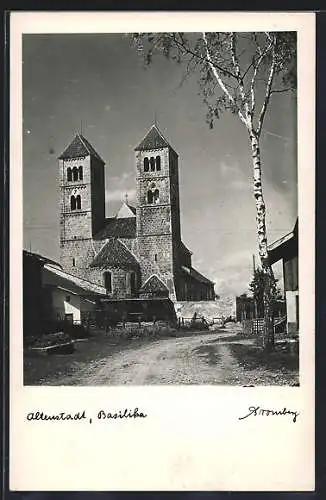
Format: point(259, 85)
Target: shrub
point(52, 339)
point(75, 331)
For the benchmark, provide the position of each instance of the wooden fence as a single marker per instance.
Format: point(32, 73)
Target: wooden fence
point(255, 327)
point(184, 321)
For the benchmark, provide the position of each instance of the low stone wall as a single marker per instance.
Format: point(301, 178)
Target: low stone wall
point(211, 310)
point(145, 330)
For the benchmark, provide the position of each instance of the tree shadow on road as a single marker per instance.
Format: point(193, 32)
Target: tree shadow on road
point(209, 352)
point(252, 357)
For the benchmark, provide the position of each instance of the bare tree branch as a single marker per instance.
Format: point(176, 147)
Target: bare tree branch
point(220, 81)
point(268, 89)
point(278, 91)
point(257, 64)
point(187, 50)
point(239, 76)
point(187, 72)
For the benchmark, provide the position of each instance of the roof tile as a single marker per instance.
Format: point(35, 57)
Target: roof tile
point(70, 279)
point(114, 254)
point(196, 275)
point(79, 147)
point(153, 140)
point(118, 228)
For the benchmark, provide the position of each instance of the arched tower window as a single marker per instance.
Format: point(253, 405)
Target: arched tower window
point(153, 194)
point(152, 162)
point(78, 202)
point(158, 163)
point(73, 203)
point(149, 196)
point(146, 165)
point(132, 283)
point(75, 173)
point(156, 196)
point(80, 173)
point(69, 174)
point(108, 281)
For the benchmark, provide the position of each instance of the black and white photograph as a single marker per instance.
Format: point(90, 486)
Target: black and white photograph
point(162, 251)
point(160, 208)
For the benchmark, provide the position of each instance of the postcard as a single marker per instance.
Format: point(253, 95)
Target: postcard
point(162, 212)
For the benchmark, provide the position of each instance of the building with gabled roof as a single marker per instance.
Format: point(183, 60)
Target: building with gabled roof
point(52, 294)
point(139, 251)
point(286, 249)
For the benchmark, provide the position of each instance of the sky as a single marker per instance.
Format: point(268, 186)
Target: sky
point(98, 83)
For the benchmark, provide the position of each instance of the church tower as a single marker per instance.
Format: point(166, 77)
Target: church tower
point(82, 203)
point(157, 211)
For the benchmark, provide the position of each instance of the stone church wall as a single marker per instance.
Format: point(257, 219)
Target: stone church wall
point(76, 256)
point(97, 195)
point(154, 220)
point(141, 155)
point(76, 226)
point(157, 244)
point(154, 256)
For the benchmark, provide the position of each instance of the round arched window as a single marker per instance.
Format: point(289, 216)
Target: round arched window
point(75, 173)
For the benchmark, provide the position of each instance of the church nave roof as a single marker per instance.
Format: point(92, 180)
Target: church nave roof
point(196, 275)
point(124, 227)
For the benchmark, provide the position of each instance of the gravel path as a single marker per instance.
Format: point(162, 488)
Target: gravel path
point(187, 360)
point(210, 358)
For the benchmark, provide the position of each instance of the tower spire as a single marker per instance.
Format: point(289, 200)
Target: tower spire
point(126, 198)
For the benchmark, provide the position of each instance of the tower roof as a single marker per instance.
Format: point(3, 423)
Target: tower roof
point(79, 147)
point(153, 140)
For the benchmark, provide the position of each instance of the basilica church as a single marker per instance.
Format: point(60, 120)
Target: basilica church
point(139, 252)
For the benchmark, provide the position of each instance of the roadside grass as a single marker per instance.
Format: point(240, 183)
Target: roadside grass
point(251, 357)
point(250, 366)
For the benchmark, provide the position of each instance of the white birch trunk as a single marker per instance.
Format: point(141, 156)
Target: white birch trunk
point(259, 199)
point(268, 337)
point(246, 116)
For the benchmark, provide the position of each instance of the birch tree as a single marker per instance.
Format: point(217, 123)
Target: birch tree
point(240, 73)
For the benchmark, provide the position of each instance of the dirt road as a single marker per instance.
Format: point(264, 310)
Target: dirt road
point(168, 361)
point(200, 359)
